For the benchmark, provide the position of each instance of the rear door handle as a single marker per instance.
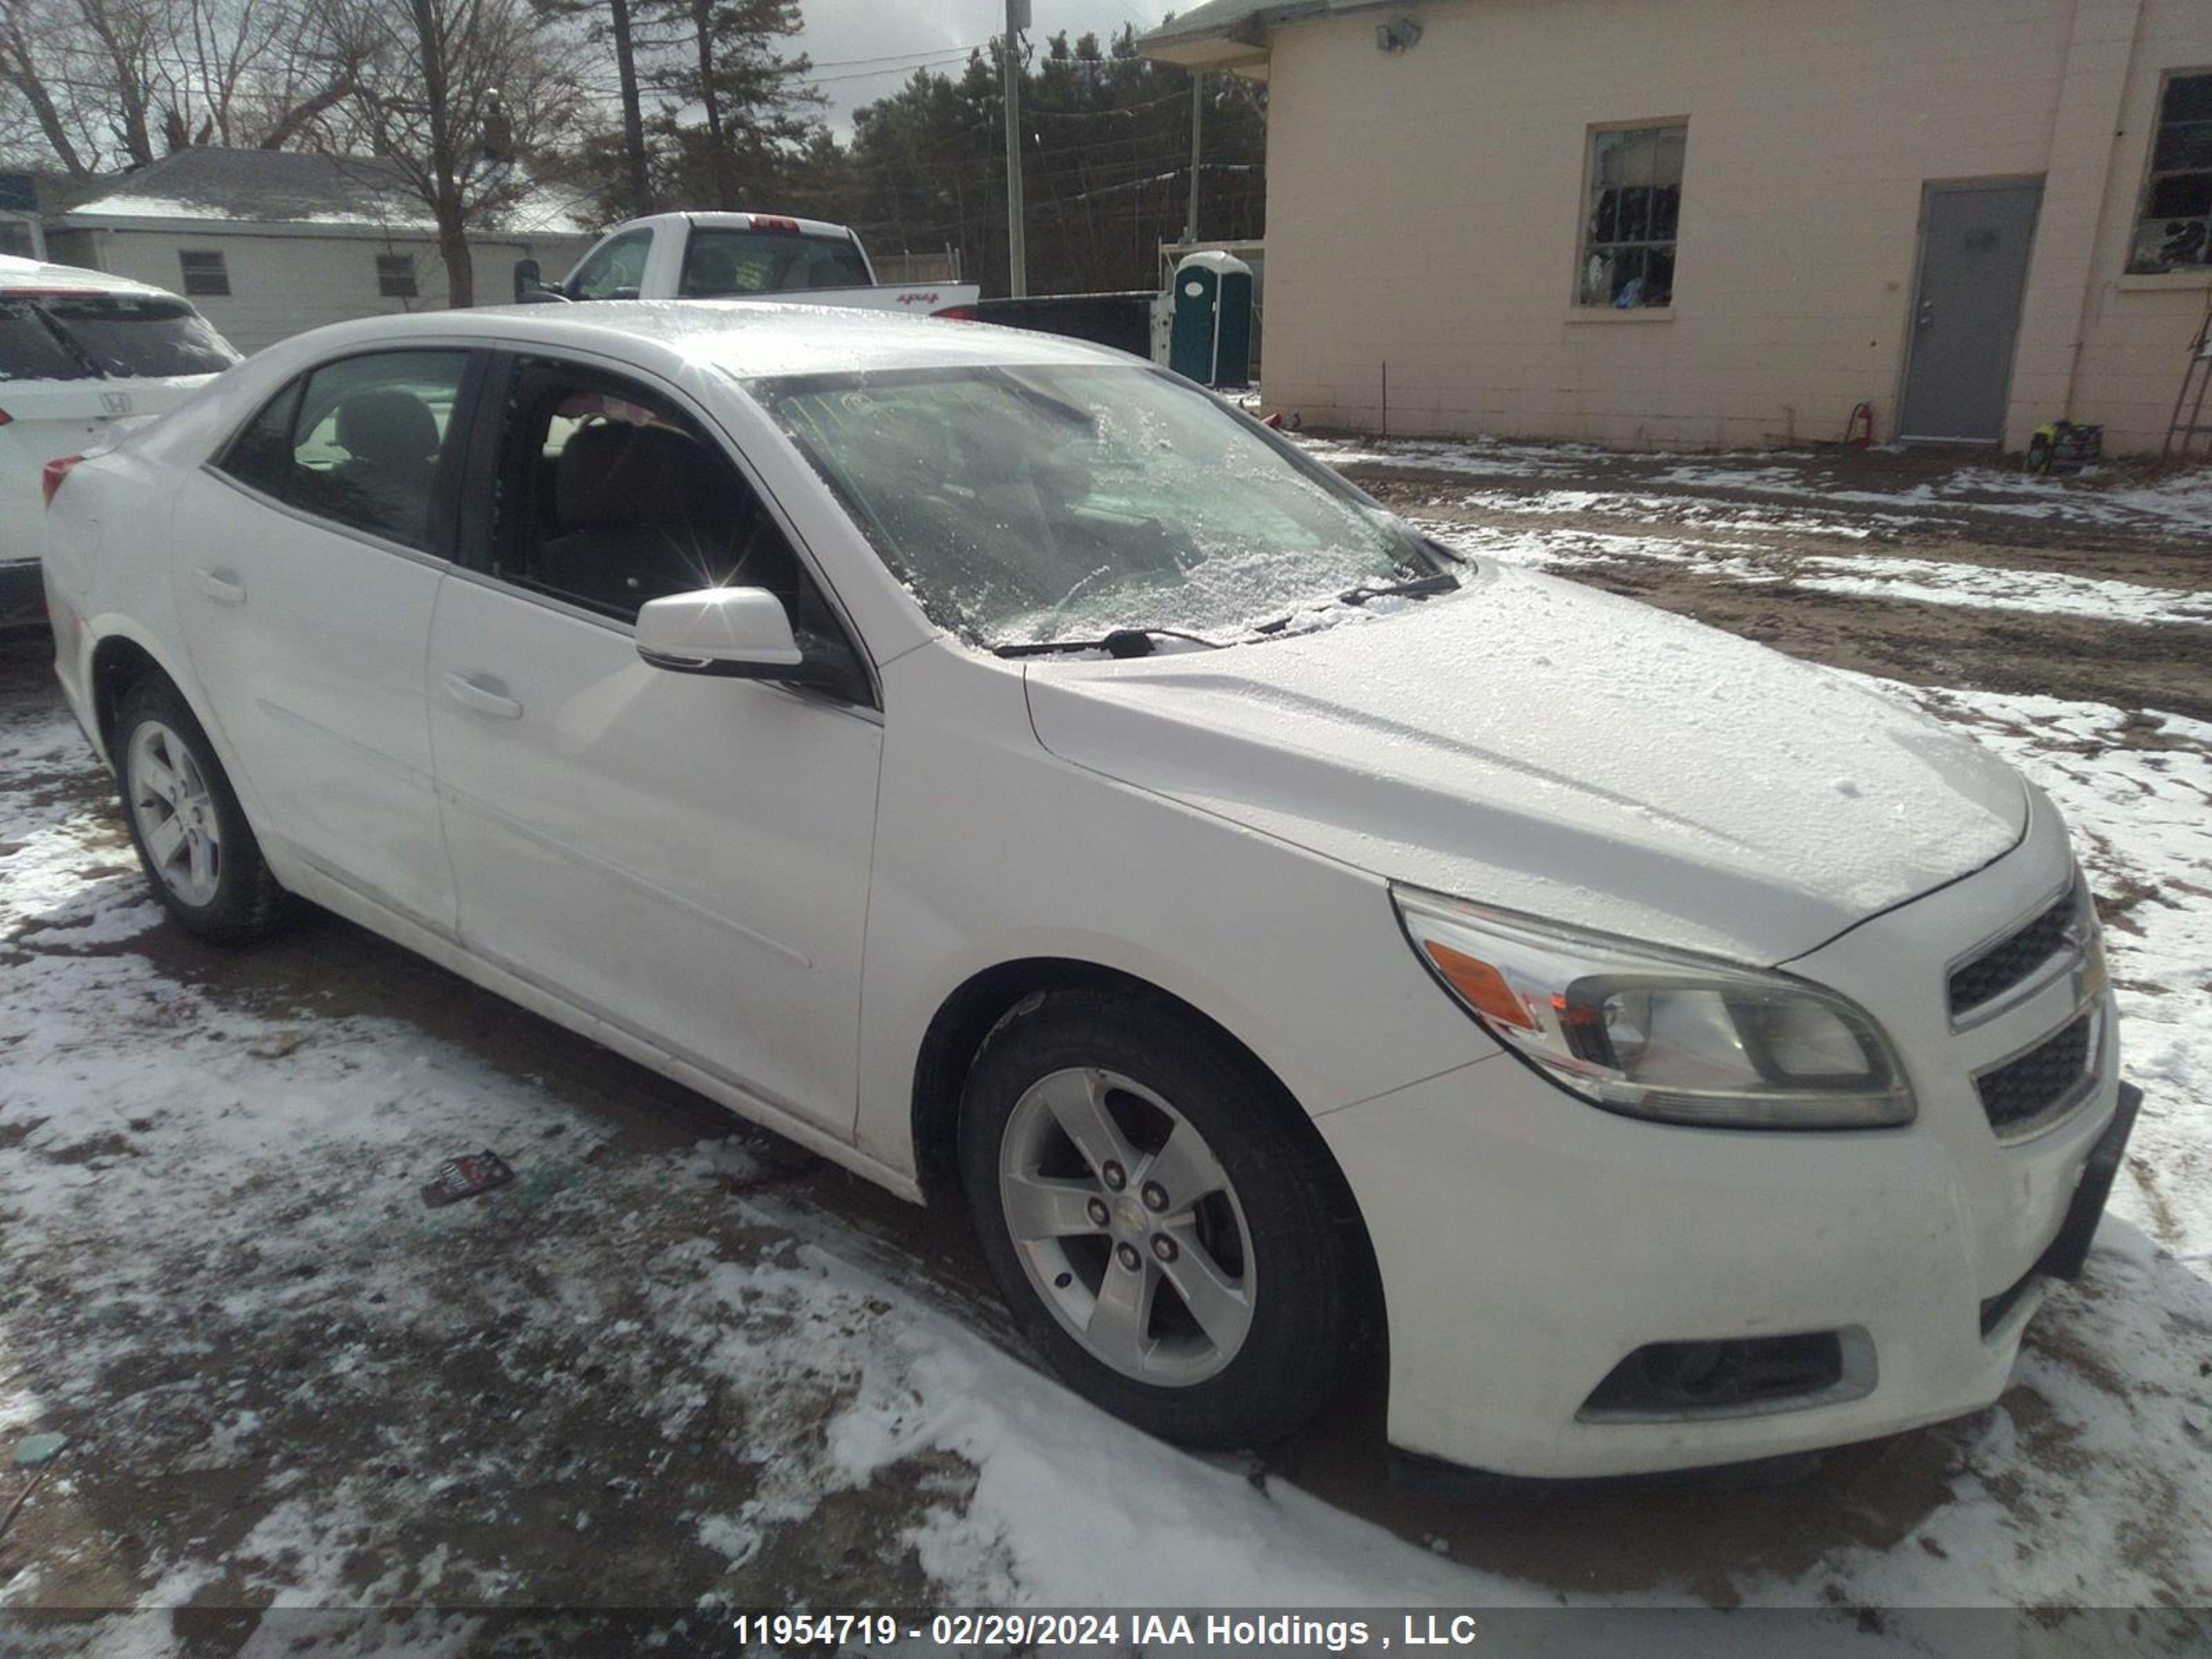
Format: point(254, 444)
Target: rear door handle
point(221, 586)
point(484, 694)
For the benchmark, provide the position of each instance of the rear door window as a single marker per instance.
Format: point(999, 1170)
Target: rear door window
point(131, 336)
point(718, 262)
point(31, 350)
point(370, 442)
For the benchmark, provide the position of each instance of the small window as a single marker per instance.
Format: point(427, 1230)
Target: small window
point(609, 498)
point(30, 349)
point(395, 275)
point(2173, 226)
point(363, 442)
point(1634, 203)
point(204, 273)
point(613, 270)
point(127, 335)
point(718, 261)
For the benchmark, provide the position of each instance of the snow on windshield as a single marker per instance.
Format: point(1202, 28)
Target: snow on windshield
point(1027, 505)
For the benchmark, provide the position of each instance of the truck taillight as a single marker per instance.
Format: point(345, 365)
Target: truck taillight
point(773, 222)
point(958, 314)
point(51, 478)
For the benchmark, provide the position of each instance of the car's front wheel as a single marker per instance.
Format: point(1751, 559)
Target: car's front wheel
point(1164, 1226)
point(191, 834)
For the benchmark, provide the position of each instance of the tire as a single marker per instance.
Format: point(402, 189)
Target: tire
point(1262, 1298)
point(199, 853)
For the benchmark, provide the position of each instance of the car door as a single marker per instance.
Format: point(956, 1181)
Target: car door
point(685, 856)
point(307, 558)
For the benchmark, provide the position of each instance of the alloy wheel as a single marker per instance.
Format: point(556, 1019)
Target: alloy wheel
point(1128, 1226)
point(175, 814)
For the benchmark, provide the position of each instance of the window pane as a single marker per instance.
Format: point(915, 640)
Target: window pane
point(2180, 196)
point(610, 499)
point(369, 446)
point(718, 261)
point(30, 352)
point(261, 455)
point(395, 275)
point(204, 273)
point(1635, 204)
point(2188, 98)
point(127, 335)
point(617, 266)
point(2183, 147)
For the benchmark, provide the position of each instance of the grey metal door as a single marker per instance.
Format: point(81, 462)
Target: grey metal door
point(1973, 271)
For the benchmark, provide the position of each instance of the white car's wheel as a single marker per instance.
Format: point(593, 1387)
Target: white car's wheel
point(192, 835)
point(1164, 1226)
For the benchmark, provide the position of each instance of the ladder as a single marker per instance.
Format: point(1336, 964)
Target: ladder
point(2189, 423)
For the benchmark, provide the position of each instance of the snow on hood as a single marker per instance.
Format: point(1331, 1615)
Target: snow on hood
point(1541, 746)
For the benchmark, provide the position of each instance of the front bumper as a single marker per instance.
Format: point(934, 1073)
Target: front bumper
point(1530, 1243)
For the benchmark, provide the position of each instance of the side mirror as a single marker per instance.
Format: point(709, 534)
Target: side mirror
point(527, 274)
point(738, 633)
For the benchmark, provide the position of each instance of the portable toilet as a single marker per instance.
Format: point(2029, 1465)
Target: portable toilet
point(1211, 338)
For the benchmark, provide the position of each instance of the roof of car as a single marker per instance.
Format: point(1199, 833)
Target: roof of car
point(17, 274)
point(749, 338)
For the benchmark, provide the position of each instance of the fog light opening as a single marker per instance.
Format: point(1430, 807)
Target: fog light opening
point(1743, 1377)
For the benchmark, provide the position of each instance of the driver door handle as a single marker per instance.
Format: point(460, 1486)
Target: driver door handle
point(484, 694)
point(221, 586)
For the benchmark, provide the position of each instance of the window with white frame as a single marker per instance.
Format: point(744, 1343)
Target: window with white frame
point(1632, 204)
point(2173, 228)
point(204, 272)
point(395, 275)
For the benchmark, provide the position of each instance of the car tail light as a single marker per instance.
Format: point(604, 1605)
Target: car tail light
point(5, 417)
point(51, 478)
point(958, 314)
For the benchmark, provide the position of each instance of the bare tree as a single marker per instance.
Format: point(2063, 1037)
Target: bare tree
point(495, 85)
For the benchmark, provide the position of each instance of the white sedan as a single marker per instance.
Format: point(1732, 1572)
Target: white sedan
point(998, 766)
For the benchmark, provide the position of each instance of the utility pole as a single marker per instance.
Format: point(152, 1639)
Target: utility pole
point(1018, 261)
point(1197, 86)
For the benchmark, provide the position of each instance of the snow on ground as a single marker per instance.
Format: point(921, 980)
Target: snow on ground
point(213, 1260)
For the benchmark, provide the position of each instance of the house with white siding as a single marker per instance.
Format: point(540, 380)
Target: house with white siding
point(267, 243)
point(1701, 223)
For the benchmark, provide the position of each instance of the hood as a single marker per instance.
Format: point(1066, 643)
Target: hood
point(1541, 746)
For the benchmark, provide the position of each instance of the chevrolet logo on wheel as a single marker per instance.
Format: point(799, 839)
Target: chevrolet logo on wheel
point(115, 402)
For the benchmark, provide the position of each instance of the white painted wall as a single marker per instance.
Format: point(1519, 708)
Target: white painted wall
point(284, 281)
point(1423, 209)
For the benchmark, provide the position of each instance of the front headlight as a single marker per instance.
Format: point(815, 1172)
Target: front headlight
point(1660, 1033)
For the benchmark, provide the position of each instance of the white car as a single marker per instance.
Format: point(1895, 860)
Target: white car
point(995, 764)
point(79, 351)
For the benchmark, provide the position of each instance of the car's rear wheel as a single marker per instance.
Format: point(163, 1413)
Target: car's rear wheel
point(1164, 1226)
point(191, 834)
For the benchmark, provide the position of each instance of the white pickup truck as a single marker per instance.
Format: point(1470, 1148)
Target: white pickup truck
point(739, 256)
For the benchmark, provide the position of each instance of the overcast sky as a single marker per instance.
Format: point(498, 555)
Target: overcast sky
point(850, 40)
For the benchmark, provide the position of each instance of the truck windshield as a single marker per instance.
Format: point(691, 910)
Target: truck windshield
point(717, 262)
point(134, 336)
point(1025, 505)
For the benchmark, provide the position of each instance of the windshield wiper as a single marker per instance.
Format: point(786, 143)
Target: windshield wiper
point(1415, 588)
point(1117, 642)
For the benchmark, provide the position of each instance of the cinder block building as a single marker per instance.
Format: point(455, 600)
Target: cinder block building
point(1696, 223)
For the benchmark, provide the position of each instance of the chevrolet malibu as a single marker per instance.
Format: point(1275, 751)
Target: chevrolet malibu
point(997, 765)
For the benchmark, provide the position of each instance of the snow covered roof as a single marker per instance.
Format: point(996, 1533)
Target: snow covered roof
point(214, 186)
point(1233, 33)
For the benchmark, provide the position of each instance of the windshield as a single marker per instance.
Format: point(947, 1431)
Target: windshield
point(1026, 505)
point(131, 335)
point(723, 262)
